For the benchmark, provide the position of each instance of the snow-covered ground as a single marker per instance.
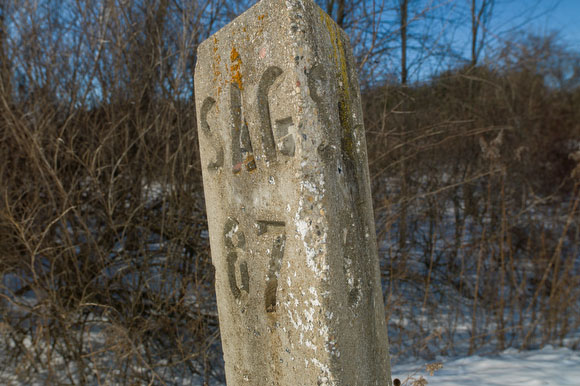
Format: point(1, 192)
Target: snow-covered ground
point(548, 366)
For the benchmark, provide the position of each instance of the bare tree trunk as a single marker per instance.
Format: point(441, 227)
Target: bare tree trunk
point(154, 29)
point(341, 13)
point(403, 19)
point(5, 78)
point(479, 19)
point(474, 27)
point(330, 7)
point(404, 5)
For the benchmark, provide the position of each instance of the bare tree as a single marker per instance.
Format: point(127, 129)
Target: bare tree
point(403, 20)
point(5, 76)
point(342, 10)
point(480, 18)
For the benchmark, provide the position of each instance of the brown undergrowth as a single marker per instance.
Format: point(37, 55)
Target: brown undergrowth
point(476, 196)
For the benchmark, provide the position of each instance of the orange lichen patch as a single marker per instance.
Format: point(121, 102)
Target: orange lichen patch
point(235, 55)
point(216, 73)
point(261, 17)
point(236, 75)
point(237, 78)
point(216, 64)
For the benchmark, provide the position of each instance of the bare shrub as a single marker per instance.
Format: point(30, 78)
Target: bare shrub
point(104, 254)
point(477, 204)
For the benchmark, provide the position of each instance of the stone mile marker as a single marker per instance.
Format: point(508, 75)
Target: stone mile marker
point(288, 200)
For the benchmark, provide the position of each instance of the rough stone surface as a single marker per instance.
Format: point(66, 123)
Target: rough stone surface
point(288, 199)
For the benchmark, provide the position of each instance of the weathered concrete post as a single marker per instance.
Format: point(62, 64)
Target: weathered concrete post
point(288, 199)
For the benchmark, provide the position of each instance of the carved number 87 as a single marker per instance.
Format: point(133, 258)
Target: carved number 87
point(235, 243)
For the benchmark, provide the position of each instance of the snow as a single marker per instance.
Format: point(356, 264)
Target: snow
point(547, 366)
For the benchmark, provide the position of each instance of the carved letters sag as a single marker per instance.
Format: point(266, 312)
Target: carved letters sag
point(242, 149)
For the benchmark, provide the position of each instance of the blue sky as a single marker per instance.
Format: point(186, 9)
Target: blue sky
point(567, 17)
point(510, 20)
point(545, 15)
